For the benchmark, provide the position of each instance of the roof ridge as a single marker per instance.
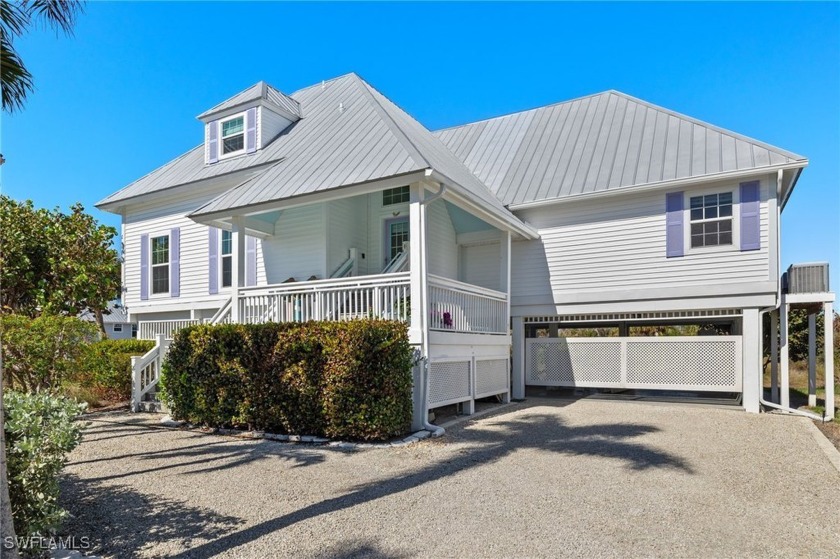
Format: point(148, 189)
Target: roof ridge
point(322, 82)
point(402, 137)
point(714, 127)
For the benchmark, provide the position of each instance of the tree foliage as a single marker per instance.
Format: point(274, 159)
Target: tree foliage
point(53, 262)
point(16, 18)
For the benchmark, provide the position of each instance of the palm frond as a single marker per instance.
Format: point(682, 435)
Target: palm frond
point(59, 14)
point(15, 79)
point(13, 19)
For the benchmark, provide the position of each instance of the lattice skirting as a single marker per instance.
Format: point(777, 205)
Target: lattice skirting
point(449, 382)
point(491, 376)
point(683, 363)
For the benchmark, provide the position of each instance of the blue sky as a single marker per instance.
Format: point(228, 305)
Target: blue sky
point(119, 99)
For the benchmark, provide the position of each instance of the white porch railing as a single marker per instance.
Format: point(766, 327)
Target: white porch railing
point(456, 306)
point(382, 296)
point(148, 330)
point(145, 371)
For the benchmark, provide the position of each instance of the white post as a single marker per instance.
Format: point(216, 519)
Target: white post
point(774, 356)
point(784, 360)
point(417, 333)
point(812, 359)
point(135, 384)
point(505, 254)
point(751, 360)
point(518, 365)
point(238, 257)
point(829, 359)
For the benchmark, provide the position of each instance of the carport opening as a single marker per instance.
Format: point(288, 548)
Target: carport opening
point(675, 360)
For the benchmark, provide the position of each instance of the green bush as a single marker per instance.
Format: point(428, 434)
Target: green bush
point(40, 430)
point(39, 353)
point(105, 367)
point(337, 379)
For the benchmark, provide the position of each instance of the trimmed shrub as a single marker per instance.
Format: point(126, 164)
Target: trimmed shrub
point(40, 430)
point(335, 379)
point(105, 367)
point(39, 353)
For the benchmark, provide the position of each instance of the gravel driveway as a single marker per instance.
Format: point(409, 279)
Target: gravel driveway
point(542, 478)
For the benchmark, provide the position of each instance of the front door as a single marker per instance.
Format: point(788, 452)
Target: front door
point(396, 233)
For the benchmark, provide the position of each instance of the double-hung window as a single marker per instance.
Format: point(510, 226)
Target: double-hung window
point(227, 259)
point(160, 264)
point(711, 220)
point(233, 135)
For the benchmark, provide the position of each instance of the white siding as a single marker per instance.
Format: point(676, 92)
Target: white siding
point(442, 241)
point(125, 334)
point(481, 265)
point(155, 221)
point(377, 214)
point(615, 244)
point(269, 125)
point(298, 248)
point(347, 228)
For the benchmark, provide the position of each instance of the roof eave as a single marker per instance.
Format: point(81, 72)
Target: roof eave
point(662, 185)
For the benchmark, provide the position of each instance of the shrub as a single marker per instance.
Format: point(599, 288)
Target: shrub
point(105, 367)
point(340, 379)
point(39, 353)
point(40, 430)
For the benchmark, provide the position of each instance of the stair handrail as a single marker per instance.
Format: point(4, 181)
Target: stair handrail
point(223, 312)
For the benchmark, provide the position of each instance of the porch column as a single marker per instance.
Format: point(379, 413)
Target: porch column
point(828, 309)
point(774, 356)
point(518, 365)
point(238, 257)
point(784, 359)
point(751, 360)
point(417, 333)
point(812, 358)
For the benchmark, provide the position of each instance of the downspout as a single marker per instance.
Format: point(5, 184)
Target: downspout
point(778, 304)
point(435, 430)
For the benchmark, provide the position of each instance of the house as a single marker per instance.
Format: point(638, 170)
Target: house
point(116, 322)
point(491, 239)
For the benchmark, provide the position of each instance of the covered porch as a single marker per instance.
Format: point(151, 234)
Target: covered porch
point(416, 253)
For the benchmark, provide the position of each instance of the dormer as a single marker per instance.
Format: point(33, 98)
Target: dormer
point(247, 122)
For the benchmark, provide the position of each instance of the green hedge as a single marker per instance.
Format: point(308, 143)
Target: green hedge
point(335, 379)
point(105, 367)
point(40, 430)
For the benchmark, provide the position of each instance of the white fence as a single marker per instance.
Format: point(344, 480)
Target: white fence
point(702, 363)
point(383, 296)
point(149, 330)
point(461, 307)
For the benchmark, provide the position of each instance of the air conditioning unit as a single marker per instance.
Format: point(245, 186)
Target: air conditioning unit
point(806, 278)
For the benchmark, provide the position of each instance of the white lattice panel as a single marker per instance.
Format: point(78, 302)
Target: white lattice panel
point(669, 363)
point(449, 382)
point(491, 377)
point(710, 364)
point(574, 362)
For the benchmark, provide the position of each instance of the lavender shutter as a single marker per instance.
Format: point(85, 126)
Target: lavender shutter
point(250, 261)
point(144, 267)
point(674, 240)
point(213, 251)
point(213, 141)
point(175, 262)
point(251, 130)
point(750, 205)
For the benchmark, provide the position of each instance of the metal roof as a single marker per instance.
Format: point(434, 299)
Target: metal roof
point(259, 90)
point(115, 314)
point(602, 142)
point(351, 134)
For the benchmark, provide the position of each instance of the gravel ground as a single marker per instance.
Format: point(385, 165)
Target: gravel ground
point(540, 479)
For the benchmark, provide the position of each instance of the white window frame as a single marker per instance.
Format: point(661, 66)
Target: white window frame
point(392, 204)
point(152, 237)
point(116, 327)
point(736, 220)
point(220, 147)
point(222, 257)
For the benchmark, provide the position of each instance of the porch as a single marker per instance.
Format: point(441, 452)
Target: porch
point(407, 253)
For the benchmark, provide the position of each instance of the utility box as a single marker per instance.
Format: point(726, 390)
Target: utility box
point(806, 278)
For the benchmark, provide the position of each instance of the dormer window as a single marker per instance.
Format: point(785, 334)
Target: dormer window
point(233, 135)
